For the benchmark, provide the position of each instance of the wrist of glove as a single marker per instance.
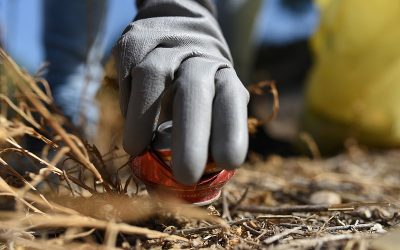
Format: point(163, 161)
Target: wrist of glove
point(174, 56)
point(205, 3)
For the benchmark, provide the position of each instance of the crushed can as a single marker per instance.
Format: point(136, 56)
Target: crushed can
point(153, 168)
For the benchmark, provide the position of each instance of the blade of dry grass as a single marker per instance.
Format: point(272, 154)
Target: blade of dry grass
point(27, 117)
point(65, 221)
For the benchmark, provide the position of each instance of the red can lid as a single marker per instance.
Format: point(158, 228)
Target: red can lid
point(158, 178)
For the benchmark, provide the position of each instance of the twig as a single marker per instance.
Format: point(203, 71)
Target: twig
point(272, 217)
point(19, 111)
point(311, 144)
point(127, 182)
point(70, 237)
point(32, 155)
point(241, 199)
point(51, 221)
point(252, 230)
point(225, 207)
point(349, 227)
point(293, 209)
point(6, 190)
point(262, 235)
point(82, 185)
point(258, 89)
point(111, 235)
point(279, 236)
point(15, 173)
point(68, 181)
point(309, 243)
point(212, 227)
point(326, 223)
point(45, 86)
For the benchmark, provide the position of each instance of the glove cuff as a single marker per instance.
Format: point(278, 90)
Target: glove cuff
point(208, 4)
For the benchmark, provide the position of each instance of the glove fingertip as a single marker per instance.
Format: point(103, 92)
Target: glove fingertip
point(230, 156)
point(187, 170)
point(138, 135)
point(133, 146)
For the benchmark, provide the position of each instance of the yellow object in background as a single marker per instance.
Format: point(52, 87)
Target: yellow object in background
point(354, 86)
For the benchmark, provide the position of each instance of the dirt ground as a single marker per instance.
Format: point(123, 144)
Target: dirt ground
point(349, 201)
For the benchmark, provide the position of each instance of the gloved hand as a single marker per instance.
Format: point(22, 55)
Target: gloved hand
point(174, 54)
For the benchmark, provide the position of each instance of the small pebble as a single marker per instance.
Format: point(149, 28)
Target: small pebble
point(325, 197)
point(170, 230)
point(378, 228)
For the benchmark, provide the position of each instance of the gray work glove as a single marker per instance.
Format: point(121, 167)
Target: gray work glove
point(174, 50)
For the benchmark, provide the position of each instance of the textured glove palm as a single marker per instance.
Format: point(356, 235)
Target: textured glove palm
point(173, 56)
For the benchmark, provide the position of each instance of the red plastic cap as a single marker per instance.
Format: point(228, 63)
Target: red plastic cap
point(157, 176)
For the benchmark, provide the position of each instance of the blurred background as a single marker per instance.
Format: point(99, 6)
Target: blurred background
point(336, 70)
point(21, 26)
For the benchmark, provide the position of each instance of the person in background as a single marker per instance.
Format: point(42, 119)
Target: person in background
point(173, 53)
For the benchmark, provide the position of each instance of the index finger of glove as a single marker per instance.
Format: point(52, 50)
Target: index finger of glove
point(149, 80)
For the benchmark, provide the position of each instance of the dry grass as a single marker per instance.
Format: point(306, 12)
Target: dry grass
point(71, 195)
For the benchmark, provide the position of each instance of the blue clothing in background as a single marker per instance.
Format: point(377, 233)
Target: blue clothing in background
point(73, 45)
point(74, 36)
point(21, 25)
point(20, 31)
point(281, 22)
